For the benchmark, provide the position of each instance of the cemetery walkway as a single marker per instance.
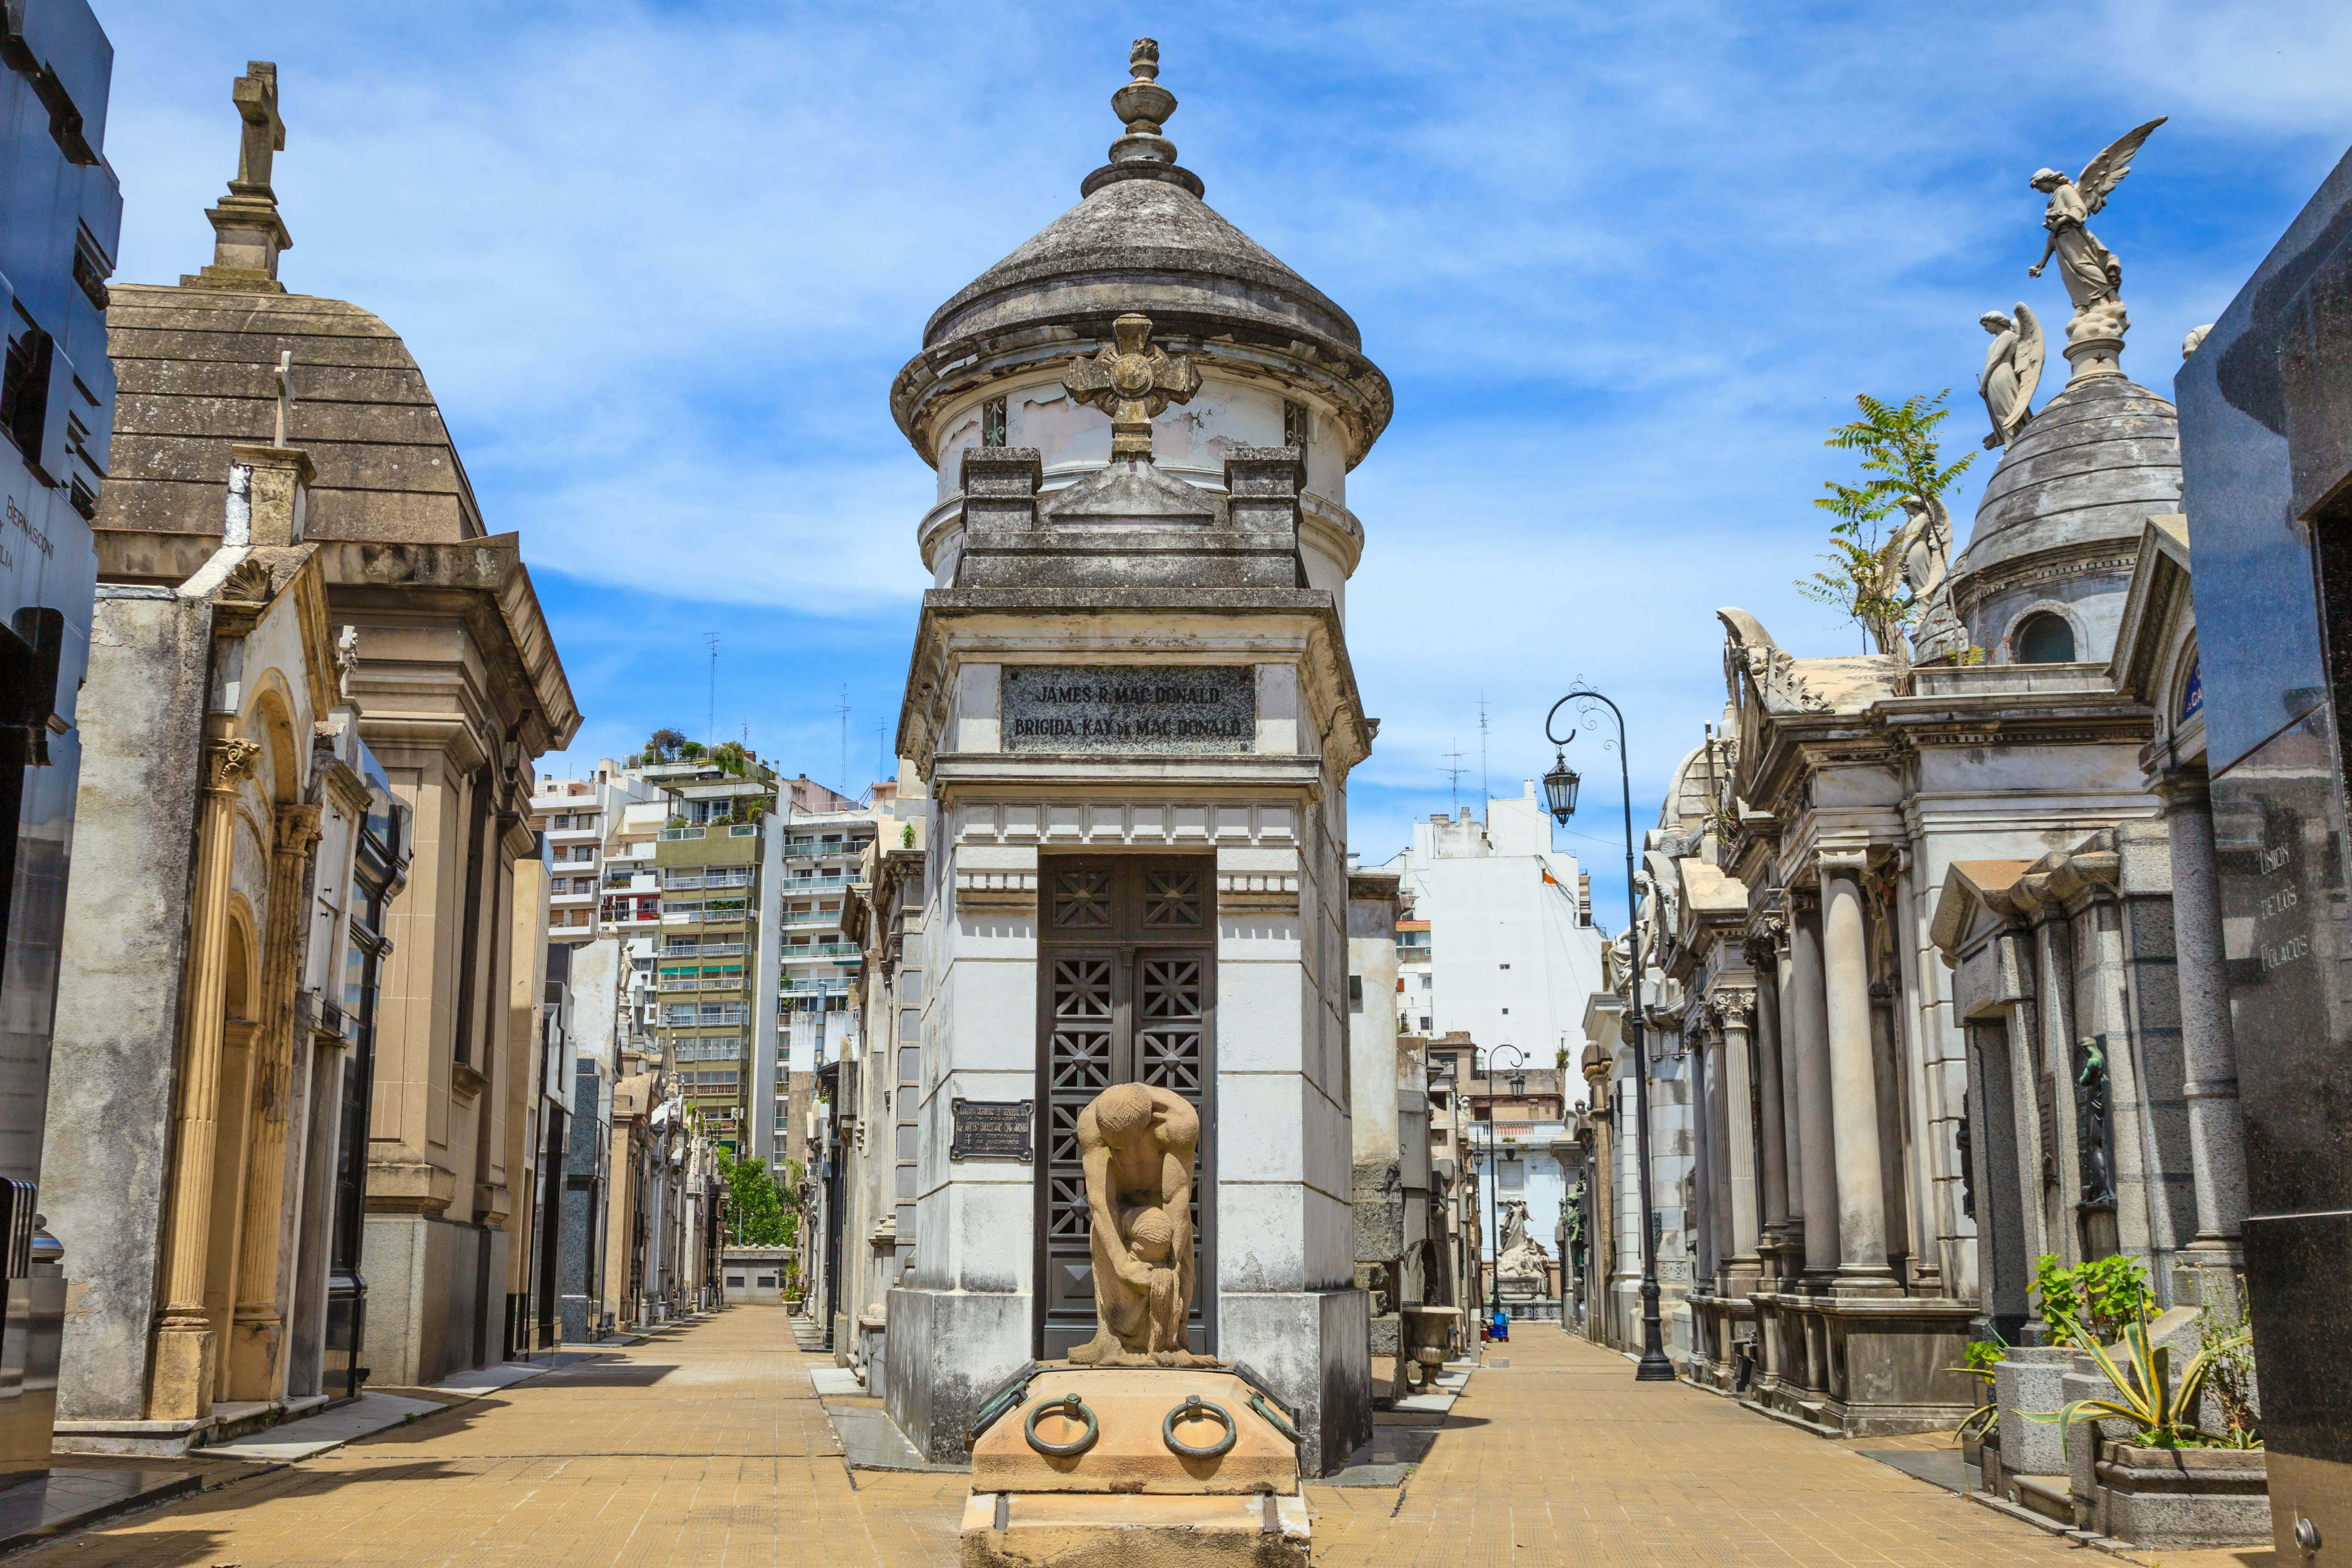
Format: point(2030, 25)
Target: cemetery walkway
point(706, 1444)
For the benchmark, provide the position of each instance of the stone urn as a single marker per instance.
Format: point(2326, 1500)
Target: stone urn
point(1428, 1342)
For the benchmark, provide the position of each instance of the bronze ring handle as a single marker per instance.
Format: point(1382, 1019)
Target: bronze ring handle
point(1194, 1406)
point(1072, 1408)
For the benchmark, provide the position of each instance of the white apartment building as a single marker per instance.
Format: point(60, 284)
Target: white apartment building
point(1501, 946)
point(580, 820)
point(823, 834)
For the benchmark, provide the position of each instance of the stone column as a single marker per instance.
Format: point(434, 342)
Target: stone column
point(1919, 1037)
point(1697, 1050)
point(1861, 1203)
point(179, 1385)
point(1738, 1120)
point(256, 1350)
point(1772, 1150)
point(1718, 1157)
point(1784, 1001)
point(1817, 1138)
point(2217, 1150)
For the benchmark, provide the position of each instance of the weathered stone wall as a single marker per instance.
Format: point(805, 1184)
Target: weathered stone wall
point(114, 1073)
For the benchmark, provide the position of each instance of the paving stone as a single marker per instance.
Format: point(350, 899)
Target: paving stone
point(711, 1445)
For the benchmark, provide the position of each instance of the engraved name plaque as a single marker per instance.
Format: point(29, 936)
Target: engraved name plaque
point(1198, 709)
point(993, 1130)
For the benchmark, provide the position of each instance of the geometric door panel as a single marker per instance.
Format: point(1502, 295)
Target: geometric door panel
point(1127, 970)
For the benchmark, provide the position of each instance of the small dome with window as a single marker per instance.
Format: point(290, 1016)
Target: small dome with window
point(2060, 518)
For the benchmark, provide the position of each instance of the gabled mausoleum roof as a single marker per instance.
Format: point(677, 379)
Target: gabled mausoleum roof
point(196, 371)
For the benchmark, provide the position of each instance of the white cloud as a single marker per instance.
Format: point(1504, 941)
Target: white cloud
point(1624, 266)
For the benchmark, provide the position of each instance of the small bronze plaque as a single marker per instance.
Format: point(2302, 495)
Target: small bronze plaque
point(993, 1130)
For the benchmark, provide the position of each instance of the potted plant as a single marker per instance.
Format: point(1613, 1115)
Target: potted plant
point(1981, 1429)
point(2168, 1481)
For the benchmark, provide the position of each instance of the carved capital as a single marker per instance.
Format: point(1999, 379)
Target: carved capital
point(228, 761)
point(1854, 863)
point(1735, 1006)
point(297, 829)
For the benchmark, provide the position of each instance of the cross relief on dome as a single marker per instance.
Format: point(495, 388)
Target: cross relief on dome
point(1133, 379)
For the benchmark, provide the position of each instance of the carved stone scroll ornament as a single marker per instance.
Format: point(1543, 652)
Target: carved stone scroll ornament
point(228, 762)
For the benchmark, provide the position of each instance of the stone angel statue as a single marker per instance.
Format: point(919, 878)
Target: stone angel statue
point(2092, 274)
point(1924, 551)
point(2013, 368)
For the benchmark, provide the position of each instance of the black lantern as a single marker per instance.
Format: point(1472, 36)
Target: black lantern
point(1559, 788)
point(1519, 1085)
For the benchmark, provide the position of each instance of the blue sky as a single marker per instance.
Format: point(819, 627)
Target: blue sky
point(1624, 266)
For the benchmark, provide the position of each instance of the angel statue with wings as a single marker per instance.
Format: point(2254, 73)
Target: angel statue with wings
point(2093, 276)
point(2013, 368)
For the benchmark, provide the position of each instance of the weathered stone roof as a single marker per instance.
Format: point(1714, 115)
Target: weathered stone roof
point(196, 371)
point(1148, 245)
point(1141, 239)
point(2088, 470)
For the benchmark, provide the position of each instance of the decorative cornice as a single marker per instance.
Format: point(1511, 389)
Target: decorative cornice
point(1262, 892)
point(984, 889)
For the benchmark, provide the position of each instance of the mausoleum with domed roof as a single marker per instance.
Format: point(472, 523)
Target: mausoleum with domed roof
point(1947, 1036)
point(1132, 716)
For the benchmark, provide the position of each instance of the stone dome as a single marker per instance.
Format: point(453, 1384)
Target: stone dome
point(1142, 239)
point(2061, 515)
point(196, 373)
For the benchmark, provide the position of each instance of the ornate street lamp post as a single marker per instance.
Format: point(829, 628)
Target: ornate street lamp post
point(1490, 1294)
point(1560, 795)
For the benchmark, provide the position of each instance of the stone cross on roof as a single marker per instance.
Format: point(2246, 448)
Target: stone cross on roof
point(285, 393)
point(1133, 379)
point(248, 233)
point(256, 97)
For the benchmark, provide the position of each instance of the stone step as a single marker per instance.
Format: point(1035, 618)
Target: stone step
point(2051, 1497)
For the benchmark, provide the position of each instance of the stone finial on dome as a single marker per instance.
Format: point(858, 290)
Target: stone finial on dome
point(1143, 106)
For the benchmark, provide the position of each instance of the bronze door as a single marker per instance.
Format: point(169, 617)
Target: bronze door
point(1127, 961)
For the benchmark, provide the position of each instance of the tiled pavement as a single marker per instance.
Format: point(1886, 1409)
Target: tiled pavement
point(706, 1445)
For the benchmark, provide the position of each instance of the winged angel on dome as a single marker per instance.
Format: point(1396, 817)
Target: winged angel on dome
point(2093, 276)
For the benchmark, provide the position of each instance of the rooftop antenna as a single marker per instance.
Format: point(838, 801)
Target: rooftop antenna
point(1486, 791)
point(710, 720)
point(882, 768)
point(844, 711)
point(1454, 773)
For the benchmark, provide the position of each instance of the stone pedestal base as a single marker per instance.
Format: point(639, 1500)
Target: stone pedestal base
point(1861, 1366)
point(182, 1385)
point(1096, 1466)
point(1314, 1349)
point(1064, 1530)
point(949, 1350)
point(434, 1291)
point(1720, 1326)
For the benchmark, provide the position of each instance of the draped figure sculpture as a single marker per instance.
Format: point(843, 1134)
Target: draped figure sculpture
point(1136, 1145)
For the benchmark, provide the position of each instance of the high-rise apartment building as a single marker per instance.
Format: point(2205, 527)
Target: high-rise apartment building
point(824, 836)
